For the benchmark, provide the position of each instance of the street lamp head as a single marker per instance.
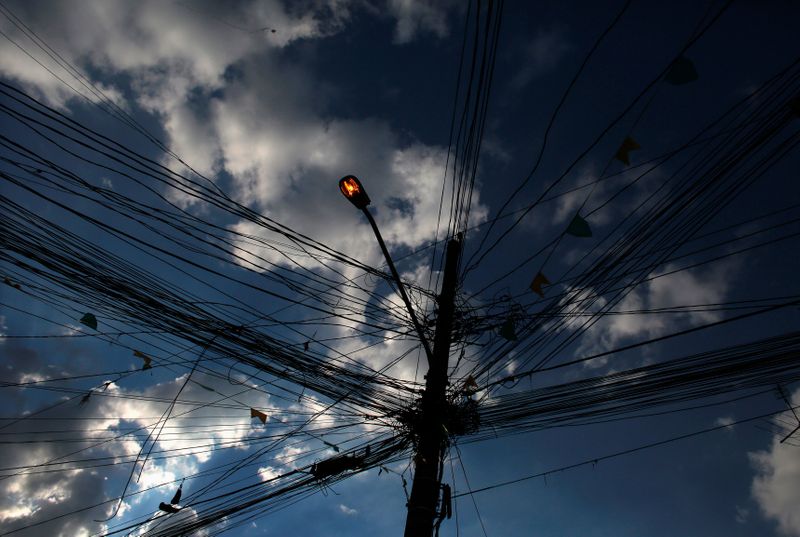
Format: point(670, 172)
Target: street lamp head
point(353, 191)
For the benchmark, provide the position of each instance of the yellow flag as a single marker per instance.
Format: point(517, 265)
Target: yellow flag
point(538, 282)
point(144, 357)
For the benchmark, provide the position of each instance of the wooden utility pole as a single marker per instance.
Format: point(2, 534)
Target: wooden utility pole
point(432, 435)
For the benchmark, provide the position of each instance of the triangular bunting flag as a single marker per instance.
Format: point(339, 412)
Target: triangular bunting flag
point(144, 357)
point(167, 508)
point(89, 320)
point(507, 330)
point(681, 71)
point(579, 227)
point(470, 385)
point(177, 497)
point(538, 281)
point(794, 106)
point(623, 153)
point(332, 446)
point(258, 414)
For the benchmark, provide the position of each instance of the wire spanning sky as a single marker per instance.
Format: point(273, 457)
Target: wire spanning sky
point(188, 303)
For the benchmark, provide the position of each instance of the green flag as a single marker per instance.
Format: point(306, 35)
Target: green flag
point(623, 153)
point(507, 330)
point(681, 71)
point(579, 227)
point(794, 106)
point(89, 320)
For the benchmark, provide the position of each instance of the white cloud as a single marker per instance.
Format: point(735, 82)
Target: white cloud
point(157, 42)
point(284, 151)
point(32, 497)
point(267, 473)
point(227, 103)
point(775, 485)
point(725, 421)
point(671, 290)
point(348, 511)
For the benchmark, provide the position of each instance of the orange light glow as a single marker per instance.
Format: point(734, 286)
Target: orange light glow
point(350, 187)
point(353, 191)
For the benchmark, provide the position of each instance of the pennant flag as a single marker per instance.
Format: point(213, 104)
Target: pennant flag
point(623, 153)
point(177, 497)
point(681, 71)
point(794, 106)
point(167, 508)
point(305, 346)
point(579, 227)
point(258, 414)
point(89, 320)
point(507, 330)
point(538, 282)
point(470, 385)
point(144, 357)
point(85, 399)
point(332, 446)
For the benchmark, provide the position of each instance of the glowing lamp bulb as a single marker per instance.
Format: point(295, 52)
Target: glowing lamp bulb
point(353, 191)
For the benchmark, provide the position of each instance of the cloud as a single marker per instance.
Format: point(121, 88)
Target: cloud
point(156, 42)
point(235, 105)
point(348, 511)
point(540, 55)
point(414, 17)
point(671, 290)
point(32, 497)
point(774, 485)
point(742, 515)
point(37, 494)
point(725, 421)
point(232, 106)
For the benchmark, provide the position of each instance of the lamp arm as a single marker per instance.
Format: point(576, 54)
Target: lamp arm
point(400, 286)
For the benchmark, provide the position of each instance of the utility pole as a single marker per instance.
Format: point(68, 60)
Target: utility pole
point(432, 435)
point(429, 429)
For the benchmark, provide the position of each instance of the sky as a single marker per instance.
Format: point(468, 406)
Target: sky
point(170, 169)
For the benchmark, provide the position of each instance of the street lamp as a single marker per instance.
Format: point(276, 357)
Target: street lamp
point(430, 431)
point(353, 190)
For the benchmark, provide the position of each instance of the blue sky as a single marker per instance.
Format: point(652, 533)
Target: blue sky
point(230, 260)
